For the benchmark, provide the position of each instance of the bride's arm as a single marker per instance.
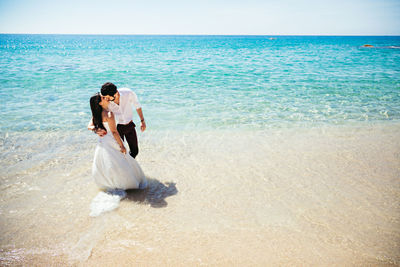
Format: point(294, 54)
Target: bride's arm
point(113, 128)
point(90, 125)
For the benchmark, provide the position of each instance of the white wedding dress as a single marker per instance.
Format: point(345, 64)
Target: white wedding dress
point(114, 170)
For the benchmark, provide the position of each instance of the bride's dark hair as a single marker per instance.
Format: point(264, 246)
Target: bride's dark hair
point(96, 112)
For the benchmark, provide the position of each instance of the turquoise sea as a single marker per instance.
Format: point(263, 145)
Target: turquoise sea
point(201, 82)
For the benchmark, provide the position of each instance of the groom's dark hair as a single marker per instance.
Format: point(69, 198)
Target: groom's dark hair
point(108, 89)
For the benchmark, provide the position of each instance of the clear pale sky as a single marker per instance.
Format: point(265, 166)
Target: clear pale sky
point(267, 17)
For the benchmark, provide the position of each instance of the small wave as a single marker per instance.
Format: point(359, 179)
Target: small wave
point(381, 47)
point(106, 201)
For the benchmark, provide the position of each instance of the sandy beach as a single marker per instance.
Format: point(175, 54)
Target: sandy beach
point(305, 197)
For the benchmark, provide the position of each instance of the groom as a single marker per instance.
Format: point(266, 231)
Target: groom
point(120, 103)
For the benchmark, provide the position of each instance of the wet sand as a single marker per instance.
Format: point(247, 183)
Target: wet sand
point(320, 196)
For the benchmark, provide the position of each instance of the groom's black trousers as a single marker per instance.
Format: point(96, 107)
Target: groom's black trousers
point(128, 132)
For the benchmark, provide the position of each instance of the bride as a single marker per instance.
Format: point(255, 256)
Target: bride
point(112, 169)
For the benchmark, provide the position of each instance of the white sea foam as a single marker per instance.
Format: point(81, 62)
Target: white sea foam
point(106, 201)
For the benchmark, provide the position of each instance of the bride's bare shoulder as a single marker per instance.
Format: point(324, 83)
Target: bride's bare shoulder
point(104, 115)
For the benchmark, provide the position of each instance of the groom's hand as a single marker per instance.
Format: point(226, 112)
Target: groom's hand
point(101, 132)
point(143, 126)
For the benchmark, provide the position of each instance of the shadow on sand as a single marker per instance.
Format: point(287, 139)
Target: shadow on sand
point(155, 193)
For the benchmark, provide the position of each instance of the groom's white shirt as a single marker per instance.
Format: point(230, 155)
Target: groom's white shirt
point(123, 112)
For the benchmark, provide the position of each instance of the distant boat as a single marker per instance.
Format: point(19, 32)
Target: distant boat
point(367, 45)
point(272, 38)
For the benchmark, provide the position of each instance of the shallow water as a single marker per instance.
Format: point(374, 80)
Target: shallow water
point(304, 196)
point(201, 82)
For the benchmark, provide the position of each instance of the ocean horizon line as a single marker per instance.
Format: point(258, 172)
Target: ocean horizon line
point(195, 35)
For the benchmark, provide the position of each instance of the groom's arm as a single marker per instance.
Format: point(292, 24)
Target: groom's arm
point(135, 102)
point(99, 132)
point(114, 108)
point(143, 123)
